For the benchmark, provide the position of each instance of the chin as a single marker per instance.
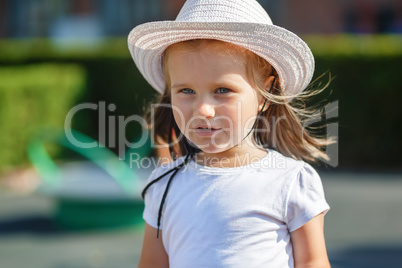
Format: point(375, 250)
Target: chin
point(215, 149)
point(219, 146)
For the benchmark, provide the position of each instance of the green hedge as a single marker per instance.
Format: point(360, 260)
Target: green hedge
point(366, 83)
point(355, 46)
point(369, 91)
point(21, 50)
point(33, 96)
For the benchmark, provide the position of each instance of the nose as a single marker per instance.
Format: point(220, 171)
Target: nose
point(204, 108)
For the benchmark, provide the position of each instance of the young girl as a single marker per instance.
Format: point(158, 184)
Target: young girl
point(239, 194)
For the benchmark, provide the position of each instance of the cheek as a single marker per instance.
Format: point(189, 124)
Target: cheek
point(180, 114)
point(246, 111)
point(247, 116)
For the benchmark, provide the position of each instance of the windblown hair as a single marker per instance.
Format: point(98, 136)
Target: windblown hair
point(280, 126)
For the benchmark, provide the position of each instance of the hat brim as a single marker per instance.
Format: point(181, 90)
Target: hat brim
point(285, 51)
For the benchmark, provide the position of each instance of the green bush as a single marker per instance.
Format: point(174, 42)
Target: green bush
point(33, 96)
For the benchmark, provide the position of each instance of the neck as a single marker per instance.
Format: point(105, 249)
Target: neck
point(233, 157)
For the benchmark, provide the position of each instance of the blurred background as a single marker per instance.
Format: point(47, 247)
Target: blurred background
point(56, 56)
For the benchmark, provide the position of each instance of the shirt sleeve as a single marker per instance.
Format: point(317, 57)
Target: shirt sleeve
point(306, 198)
point(150, 214)
point(154, 194)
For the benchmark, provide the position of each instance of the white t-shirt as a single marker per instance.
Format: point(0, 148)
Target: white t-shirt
point(234, 217)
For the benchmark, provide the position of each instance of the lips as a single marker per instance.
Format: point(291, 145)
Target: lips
point(207, 128)
point(204, 130)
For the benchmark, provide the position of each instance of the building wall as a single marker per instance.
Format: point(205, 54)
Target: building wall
point(336, 16)
point(325, 16)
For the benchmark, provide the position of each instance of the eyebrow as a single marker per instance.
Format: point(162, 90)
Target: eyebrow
point(178, 85)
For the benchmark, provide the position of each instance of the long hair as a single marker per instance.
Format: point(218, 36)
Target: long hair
point(279, 127)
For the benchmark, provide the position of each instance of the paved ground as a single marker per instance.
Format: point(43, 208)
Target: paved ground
point(363, 229)
point(364, 225)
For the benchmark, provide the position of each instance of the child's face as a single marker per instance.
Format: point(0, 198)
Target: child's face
point(214, 104)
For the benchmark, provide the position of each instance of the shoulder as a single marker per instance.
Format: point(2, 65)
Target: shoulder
point(299, 189)
point(165, 167)
point(283, 166)
point(157, 179)
point(289, 174)
point(154, 190)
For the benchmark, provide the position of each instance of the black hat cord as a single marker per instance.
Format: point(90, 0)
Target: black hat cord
point(174, 170)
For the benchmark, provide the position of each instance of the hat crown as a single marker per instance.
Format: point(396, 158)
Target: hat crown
point(248, 11)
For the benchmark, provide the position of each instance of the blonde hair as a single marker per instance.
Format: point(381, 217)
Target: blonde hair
point(287, 114)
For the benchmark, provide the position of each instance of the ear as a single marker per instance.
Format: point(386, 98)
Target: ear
point(268, 82)
point(267, 86)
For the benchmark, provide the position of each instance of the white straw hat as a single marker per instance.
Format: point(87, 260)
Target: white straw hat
point(241, 22)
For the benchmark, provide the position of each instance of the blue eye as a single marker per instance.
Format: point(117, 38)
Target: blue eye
point(187, 91)
point(222, 90)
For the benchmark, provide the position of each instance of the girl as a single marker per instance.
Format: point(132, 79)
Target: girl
point(228, 78)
